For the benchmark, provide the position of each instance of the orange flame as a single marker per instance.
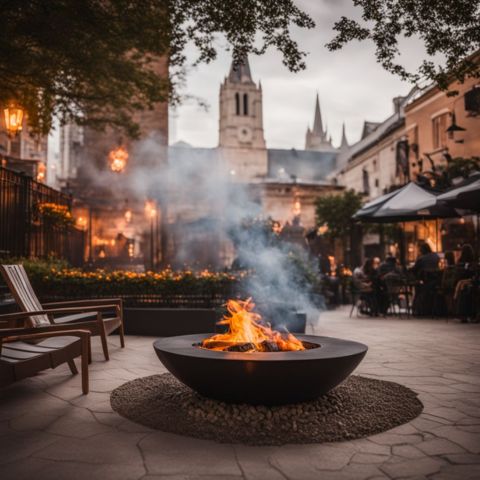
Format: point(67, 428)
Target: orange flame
point(244, 328)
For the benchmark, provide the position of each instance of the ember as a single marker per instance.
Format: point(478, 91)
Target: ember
point(247, 334)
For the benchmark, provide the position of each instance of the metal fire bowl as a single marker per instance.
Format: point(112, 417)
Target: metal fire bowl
point(261, 378)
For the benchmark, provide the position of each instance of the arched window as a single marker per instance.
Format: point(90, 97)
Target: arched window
point(237, 104)
point(245, 104)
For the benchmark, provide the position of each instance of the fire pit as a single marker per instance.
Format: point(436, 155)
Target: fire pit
point(261, 378)
point(253, 364)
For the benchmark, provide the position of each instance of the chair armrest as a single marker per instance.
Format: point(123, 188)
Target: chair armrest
point(14, 316)
point(81, 309)
point(79, 303)
point(35, 336)
point(47, 329)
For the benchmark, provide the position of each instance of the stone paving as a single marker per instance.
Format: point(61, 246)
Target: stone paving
point(48, 430)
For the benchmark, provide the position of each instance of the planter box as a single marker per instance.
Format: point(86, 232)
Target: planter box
point(168, 322)
point(295, 322)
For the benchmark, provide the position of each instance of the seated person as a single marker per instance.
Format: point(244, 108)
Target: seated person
point(465, 289)
point(362, 276)
point(427, 261)
point(364, 279)
point(426, 269)
point(449, 280)
point(465, 267)
point(388, 266)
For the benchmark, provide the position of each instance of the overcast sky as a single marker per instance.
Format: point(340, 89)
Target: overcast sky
point(351, 85)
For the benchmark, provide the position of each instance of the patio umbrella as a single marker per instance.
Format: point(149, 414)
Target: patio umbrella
point(409, 203)
point(412, 203)
point(371, 207)
point(464, 196)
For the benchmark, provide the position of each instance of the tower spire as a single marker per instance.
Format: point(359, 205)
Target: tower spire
point(317, 138)
point(317, 122)
point(240, 72)
point(344, 142)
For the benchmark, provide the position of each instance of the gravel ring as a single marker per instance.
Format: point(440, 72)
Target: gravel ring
point(357, 408)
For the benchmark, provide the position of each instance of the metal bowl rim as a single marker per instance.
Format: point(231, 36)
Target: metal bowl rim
point(330, 348)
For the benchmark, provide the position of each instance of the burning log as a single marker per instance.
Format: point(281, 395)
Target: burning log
point(268, 346)
point(241, 347)
point(218, 344)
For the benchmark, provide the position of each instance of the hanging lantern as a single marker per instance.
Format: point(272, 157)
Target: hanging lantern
point(150, 209)
point(41, 172)
point(117, 159)
point(81, 223)
point(454, 127)
point(128, 215)
point(13, 119)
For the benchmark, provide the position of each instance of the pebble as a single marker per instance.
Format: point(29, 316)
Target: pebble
point(357, 408)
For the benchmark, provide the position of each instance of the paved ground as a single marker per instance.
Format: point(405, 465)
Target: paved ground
point(49, 431)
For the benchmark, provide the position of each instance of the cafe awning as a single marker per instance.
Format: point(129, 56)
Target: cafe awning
point(371, 207)
point(464, 196)
point(409, 203)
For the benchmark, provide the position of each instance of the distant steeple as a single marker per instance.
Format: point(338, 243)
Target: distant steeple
point(240, 72)
point(344, 143)
point(317, 137)
point(317, 122)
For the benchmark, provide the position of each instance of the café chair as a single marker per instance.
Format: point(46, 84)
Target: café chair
point(76, 314)
point(24, 351)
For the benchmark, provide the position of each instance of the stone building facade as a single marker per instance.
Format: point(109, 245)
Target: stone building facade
point(369, 166)
point(71, 146)
point(427, 130)
point(414, 139)
point(431, 113)
point(111, 205)
point(281, 178)
point(241, 138)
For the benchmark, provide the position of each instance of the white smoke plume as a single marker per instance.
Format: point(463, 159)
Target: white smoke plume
point(208, 209)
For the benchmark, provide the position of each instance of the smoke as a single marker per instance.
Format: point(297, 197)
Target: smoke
point(216, 221)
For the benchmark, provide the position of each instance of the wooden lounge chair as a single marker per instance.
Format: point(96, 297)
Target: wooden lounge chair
point(77, 314)
point(26, 351)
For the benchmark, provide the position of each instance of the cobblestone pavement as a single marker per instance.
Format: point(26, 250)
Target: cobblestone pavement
point(48, 430)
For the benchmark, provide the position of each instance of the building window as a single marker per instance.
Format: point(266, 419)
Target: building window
point(377, 183)
point(237, 104)
point(439, 130)
point(366, 182)
point(245, 104)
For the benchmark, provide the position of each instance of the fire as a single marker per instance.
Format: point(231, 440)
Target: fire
point(247, 334)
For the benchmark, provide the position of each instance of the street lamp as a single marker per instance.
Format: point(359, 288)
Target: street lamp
point(454, 128)
point(13, 115)
point(41, 172)
point(117, 158)
point(128, 215)
point(151, 213)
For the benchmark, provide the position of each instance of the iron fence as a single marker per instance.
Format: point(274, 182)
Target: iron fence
point(23, 232)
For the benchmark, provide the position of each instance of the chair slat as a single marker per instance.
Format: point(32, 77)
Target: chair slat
point(21, 289)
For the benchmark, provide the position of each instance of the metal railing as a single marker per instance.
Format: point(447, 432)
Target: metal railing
point(23, 232)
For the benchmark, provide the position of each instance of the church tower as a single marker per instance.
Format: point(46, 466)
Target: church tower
point(241, 137)
point(317, 138)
